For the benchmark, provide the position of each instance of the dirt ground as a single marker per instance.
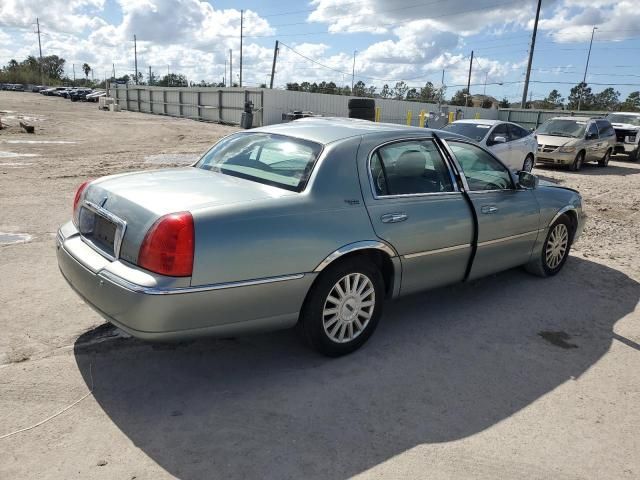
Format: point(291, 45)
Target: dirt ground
point(507, 377)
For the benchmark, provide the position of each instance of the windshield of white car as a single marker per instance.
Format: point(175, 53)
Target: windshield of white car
point(620, 118)
point(474, 131)
point(563, 128)
point(275, 160)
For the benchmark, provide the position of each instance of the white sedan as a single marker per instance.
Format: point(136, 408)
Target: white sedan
point(511, 143)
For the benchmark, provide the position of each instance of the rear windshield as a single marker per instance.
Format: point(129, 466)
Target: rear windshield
point(275, 160)
point(474, 131)
point(563, 128)
point(620, 118)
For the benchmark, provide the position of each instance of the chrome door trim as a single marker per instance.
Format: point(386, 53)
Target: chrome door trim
point(409, 195)
point(134, 287)
point(436, 251)
point(121, 227)
point(354, 247)
point(506, 239)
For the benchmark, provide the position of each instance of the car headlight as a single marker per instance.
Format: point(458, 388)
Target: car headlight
point(567, 149)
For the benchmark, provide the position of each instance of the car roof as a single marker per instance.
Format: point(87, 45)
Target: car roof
point(584, 119)
point(326, 130)
point(480, 121)
point(633, 114)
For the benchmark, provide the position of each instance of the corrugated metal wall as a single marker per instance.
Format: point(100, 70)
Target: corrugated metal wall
point(534, 118)
point(226, 105)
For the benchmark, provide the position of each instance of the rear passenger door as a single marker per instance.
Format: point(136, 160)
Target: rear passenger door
point(508, 217)
point(415, 205)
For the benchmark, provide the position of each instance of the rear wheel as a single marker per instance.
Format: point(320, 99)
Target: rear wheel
point(578, 162)
point(343, 307)
point(555, 250)
point(527, 166)
point(604, 161)
point(635, 156)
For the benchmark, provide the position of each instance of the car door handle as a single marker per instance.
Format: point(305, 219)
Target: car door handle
point(393, 217)
point(488, 209)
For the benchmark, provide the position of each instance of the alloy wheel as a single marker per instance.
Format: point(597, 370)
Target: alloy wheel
point(348, 307)
point(557, 246)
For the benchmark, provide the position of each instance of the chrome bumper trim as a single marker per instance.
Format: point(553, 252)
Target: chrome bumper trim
point(134, 287)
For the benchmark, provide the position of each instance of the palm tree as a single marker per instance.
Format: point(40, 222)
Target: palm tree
point(86, 68)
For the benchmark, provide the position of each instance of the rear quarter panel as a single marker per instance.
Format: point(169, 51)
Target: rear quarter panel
point(287, 235)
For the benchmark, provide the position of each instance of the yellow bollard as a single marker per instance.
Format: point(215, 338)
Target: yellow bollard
point(378, 114)
point(409, 114)
point(451, 117)
point(422, 118)
point(477, 116)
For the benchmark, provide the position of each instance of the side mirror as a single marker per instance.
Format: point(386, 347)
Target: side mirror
point(591, 136)
point(527, 180)
point(499, 139)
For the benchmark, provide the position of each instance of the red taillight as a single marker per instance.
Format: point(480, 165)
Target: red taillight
point(76, 199)
point(168, 246)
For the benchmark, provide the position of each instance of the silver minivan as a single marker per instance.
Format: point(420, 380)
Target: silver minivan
point(572, 141)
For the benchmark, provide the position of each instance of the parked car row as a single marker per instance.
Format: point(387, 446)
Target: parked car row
point(75, 94)
point(16, 87)
point(566, 141)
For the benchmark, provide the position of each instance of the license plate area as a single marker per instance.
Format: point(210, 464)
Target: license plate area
point(101, 229)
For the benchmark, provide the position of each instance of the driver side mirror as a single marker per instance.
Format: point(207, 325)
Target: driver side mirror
point(527, 180)
point(498, 139)
point(591, 136)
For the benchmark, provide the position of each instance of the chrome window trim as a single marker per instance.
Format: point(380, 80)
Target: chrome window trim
point(134, 287)
point(121, 227)
point(354, 247)
point(436, 251)
point(506, 239)
point(454, 183)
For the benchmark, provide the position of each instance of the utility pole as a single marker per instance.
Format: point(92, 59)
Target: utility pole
point(584, 79)
point(150, 78)
point(230, 68)
point(523, 103)
point(40, 48)
point(466, 101)
point(224, 79)
point(74, 74)
point(441, 91)
point(273, 66)
point(135, 56)
point(114, 70)
point(353, 70)
point(241, 20)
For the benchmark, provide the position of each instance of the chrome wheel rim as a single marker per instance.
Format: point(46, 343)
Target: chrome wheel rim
point(557, 245)
point(528, 164)
point(348, 307)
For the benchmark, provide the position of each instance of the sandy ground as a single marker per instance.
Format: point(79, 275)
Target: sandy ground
point(507, 377)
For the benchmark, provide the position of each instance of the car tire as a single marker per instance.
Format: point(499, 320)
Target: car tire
point(528, 163)
point(357, 309)
point(635, 156)
point(555, 249)
point(604, 161)
point(368, 103)
point(578, 163)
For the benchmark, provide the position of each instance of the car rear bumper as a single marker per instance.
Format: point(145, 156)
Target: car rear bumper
point(154, 308)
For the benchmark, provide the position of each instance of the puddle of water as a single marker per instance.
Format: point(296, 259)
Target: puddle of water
point(10, 238)
point(14, 164)
point(170, 158)
point(36, 141)
point(14, 154)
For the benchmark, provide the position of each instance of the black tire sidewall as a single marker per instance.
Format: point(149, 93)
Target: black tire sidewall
point(548, 271)
point(578, 163)
point(311, 322)
point(524, 164)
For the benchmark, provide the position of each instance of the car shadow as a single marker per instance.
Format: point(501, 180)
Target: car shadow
point(442, 366)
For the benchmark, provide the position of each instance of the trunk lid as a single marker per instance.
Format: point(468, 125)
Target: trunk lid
point(139, 199)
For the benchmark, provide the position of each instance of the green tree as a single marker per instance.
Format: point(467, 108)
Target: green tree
point(554, 99)
point(632, 103)
point(429, 93)
point(459, 98)
point(608, 99)
point(86, 69)
point(173, 80)
point(359, 89)
point(486, 103)
point(386, 91)
point(400, 90)
point(412, 94)
point(580, 94)
point(504, 103)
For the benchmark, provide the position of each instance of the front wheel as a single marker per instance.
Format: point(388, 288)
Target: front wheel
point(555, 249)
point(604, 161)
point(527, 166)
point(578, 162)
point(343, 308)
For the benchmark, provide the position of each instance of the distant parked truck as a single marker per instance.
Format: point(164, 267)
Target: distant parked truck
point(627, 127)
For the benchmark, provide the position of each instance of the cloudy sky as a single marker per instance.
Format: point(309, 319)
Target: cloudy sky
point(410, 40)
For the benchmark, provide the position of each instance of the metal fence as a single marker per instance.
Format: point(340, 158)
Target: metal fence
point(534, 118)
point(226, 105)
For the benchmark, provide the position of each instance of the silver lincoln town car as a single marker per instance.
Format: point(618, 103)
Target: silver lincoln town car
point(314, 223)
